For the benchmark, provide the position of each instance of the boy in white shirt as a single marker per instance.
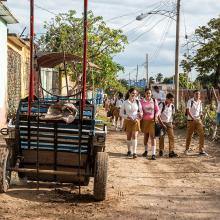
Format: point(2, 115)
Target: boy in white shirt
point(158, 94)
point(194, 122)
point(166, 118)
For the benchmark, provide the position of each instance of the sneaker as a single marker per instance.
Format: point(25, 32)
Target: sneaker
point(160, 153)
point(134, 156)
point(203, 153)
point(145, 154)
point(153, 157)
point(129, 154)
point(173, 154)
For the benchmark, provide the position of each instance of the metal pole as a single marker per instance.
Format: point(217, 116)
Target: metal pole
point(85, 44)
point(84, 54)
point(146, 66)
point(177, 55)
point(136, 76)
point(30, 97)
point(129, 80)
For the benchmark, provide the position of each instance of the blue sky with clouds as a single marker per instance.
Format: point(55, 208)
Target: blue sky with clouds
point(154, 35)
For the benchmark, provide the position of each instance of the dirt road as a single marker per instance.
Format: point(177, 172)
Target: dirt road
point(187, 187)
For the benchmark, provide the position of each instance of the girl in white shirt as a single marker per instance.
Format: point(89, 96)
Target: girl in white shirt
point(131, 111)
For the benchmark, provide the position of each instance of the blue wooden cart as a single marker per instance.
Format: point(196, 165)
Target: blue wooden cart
point(54, 151)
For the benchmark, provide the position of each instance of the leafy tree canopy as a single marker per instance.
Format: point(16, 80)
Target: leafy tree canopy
point(65, 33)
point(204, 56)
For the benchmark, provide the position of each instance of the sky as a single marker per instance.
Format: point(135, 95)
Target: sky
point(154, 35)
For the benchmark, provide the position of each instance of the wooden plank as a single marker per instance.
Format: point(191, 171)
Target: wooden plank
point(48, 174)
point(47, 157)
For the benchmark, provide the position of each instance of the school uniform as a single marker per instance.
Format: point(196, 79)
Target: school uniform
point(116, 112)
point(131, 109)
point(150, 112)
point(159, 96)
point(166, 115)
point(195, 125)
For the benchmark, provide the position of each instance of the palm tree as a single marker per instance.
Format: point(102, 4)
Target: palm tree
point(151, 80)
point(159, 77)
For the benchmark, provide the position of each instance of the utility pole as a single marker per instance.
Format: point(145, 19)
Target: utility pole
point(137, 75)
point(129, 79)
point(147, 77)
point(177, 55)
point(31, 84)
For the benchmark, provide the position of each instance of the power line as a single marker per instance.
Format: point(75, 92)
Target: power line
point(44, 9)
point(147, 31)
point(132, 13)
point(162, 40)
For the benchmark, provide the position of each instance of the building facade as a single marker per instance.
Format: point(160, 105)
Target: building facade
point(5, 18)
point(18, 71)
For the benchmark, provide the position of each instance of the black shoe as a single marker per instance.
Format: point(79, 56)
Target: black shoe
point(173, 154)
point(134, 156)
point(203, 153)
point(145, 154)
point(153, 157)
point(160, 153)
point(129, 154)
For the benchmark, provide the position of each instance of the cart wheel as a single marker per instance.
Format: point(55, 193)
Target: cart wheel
point(100, 177)
point(5, 173)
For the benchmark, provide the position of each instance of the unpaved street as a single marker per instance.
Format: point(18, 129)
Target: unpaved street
point(187, 187)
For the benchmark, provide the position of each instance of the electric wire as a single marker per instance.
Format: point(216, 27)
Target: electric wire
point(132, 13)
point(43, 9)
point(186, 39)
point(140, 35)
point(156, 53)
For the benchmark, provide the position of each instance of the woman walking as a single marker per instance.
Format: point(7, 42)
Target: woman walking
point(150, 113)
point(131, 112)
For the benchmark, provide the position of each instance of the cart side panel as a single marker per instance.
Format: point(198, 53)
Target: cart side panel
point(56, 142)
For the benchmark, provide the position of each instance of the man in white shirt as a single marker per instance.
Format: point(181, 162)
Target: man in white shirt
point(194, 122)
point(166, 118)
point(158, 94)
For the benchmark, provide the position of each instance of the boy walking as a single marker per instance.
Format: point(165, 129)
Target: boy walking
point(166, 118)
point(194, 122)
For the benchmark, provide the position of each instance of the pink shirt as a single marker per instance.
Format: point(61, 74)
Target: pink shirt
point(148, 107)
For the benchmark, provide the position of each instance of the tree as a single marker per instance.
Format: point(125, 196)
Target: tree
point(159, 77)
point(151, 80)
point(168, 80)
point(184, 81)
point(65, 33)
point(204, 53)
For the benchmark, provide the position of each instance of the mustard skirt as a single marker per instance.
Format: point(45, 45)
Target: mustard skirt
point(131, 126)
point(148, 127)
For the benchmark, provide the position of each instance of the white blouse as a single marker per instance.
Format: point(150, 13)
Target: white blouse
point(131, 109)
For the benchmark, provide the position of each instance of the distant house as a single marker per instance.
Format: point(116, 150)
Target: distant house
point(5, 18)
point(164, 87)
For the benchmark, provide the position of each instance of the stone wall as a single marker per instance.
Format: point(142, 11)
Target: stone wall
point(14, 81)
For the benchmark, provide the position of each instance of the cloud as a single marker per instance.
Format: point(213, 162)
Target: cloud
point(159, 42)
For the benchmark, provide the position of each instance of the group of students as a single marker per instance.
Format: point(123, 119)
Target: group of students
point(142, 115)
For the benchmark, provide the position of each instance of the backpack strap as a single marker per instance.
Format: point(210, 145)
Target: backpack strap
point(154, 109)
point(163, 108)
point(138, 105)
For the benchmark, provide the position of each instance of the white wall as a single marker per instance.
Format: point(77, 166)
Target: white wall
point(46, 79)
point(3, 73)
